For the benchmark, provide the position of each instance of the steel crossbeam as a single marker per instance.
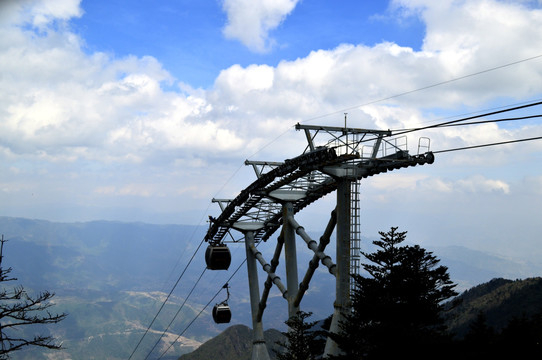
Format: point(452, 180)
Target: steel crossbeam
point(282, 189)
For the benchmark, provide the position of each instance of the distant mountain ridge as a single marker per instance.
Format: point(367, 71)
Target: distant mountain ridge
point(116, 274)
point(499, 300)
point(234, 343)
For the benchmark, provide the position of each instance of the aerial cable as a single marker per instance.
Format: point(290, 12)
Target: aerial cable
point(472, 112)
point(203, 309)
point(176, 314)
point(395, 96)
point(483, 122)
point(448, 123)
point(495, 120)
point(490, 144)
point(423, 88)
point(405, 131)
point(241, 264)
point(185, 248)
point(167, 298)
point(186, 267)
point(458, 122)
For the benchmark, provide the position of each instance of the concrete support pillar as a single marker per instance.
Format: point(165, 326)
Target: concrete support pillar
point(342, 289)
point(290, 254)
point(259, 349)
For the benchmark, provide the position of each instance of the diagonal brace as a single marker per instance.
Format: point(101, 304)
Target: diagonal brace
point(269, 281)
point(326, 260)
point(313, 264)
point(267, 268)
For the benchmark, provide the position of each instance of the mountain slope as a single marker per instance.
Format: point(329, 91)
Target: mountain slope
point(234, 343)
point(112, 277)
point(499, 300)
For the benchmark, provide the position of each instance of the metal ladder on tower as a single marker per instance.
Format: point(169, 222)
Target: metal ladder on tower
point(355, 232)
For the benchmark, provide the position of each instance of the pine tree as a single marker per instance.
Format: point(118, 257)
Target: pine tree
point(479, 340)
point(397, 308)
point(302, 343)
point(19, 310)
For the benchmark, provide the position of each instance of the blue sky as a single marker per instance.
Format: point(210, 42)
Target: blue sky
point(145, 110)
point(187, 36)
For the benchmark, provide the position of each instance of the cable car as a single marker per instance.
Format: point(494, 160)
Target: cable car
point(218, 257)
point(222, 313)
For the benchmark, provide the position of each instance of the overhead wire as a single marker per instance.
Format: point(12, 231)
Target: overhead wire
point(460, 122)
point(456, 122)
point(450, 123)
point(176, 314)
point(423, 88)
point(472, 112)
point(182, 274)
point(495, 120)
point(444, 124)
point(179, 279)
point(238, 268)
point(490, 144)
point(202, 310)
point(166, 299)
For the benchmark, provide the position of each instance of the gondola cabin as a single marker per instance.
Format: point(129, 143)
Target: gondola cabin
point(221, 313)
point(217, 257)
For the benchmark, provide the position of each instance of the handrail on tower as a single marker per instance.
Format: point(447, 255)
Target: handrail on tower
point(335, 159)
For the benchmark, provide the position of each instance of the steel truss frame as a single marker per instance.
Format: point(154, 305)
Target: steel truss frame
point(282, 189)
point(312, 174)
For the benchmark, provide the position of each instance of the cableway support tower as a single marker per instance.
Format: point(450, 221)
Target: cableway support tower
point(335, 159)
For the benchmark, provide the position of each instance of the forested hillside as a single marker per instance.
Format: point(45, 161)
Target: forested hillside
point(234, 343)
point(111, 278)
point(501, 319)
point(499, 301)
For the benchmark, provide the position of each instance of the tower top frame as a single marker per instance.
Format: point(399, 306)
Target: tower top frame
point(331, 153)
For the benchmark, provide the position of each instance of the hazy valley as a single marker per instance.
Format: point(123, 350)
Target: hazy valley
point(113, 277)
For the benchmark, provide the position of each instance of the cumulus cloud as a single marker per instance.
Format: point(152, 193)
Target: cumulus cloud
point(401, 182)
point(38, 13)
point(67, 110)
point(250, 21)
point(55, 95)
point(55, 98)
point(479, 183)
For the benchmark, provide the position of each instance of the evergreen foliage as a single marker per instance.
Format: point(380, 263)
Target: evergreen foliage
point(302, 342)
point(397, 308)
point(520, 339)
point(499, 300)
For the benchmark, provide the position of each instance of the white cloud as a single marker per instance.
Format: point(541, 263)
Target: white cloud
point(55, 95)
point(38, 13)
point(250, 21)
point(395, 183)
point(481, 184)
point(47, 11)
point(116, 120)
point(55, 98)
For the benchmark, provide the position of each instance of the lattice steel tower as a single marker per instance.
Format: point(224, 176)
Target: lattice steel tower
point(335, 159)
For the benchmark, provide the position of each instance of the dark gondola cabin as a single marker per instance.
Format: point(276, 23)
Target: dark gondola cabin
point(221, 313)
point(218, 257)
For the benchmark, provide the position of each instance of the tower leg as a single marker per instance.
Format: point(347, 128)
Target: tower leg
point(259, 349)
point(342, 288)
point(290, 254)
